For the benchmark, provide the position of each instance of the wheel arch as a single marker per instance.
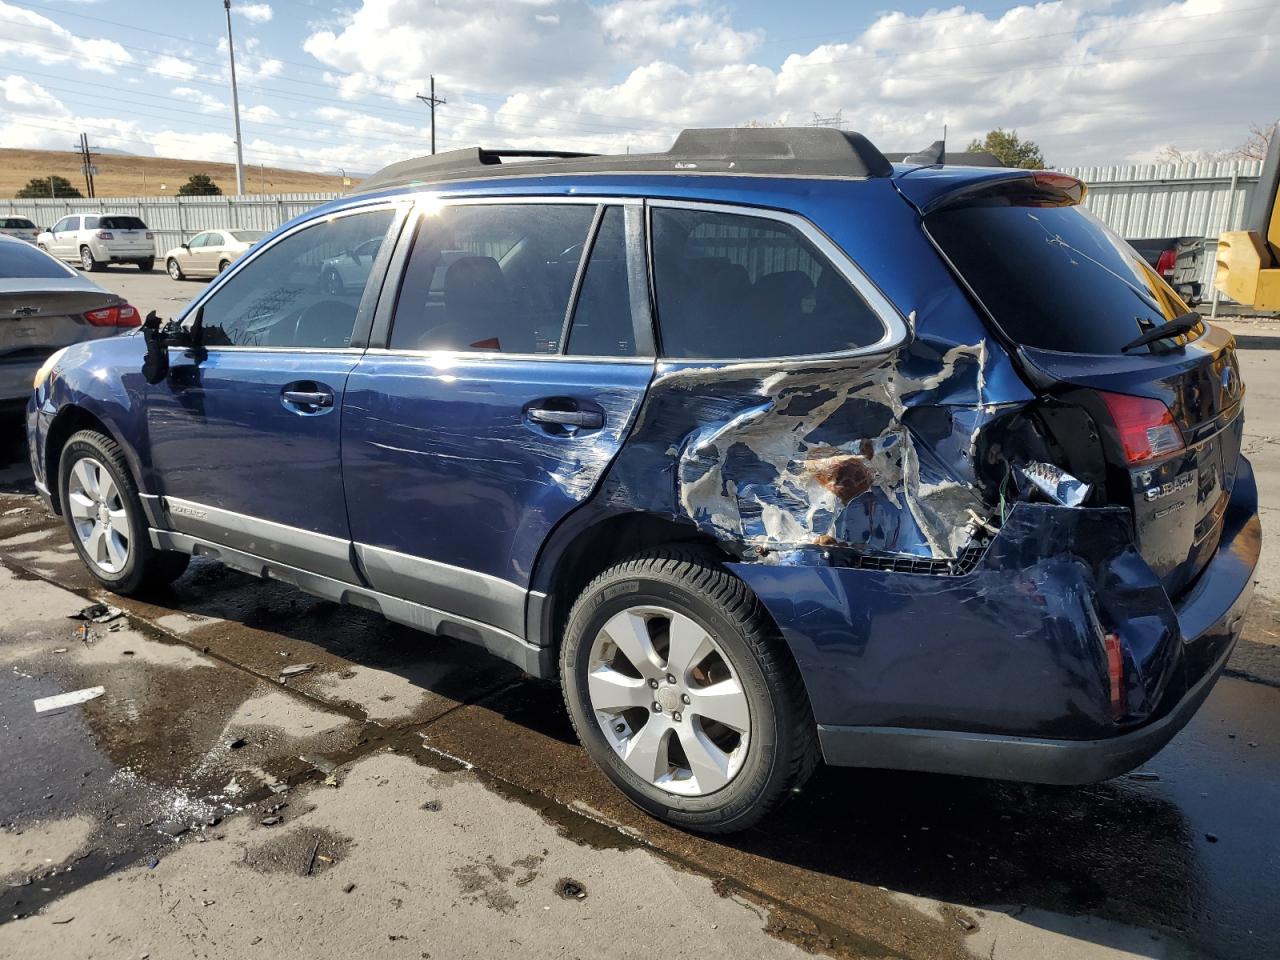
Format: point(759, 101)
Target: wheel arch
point(578, 551)
point(73, 418)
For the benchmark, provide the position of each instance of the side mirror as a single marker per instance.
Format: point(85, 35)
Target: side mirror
point(185, 245)
point(155, 367)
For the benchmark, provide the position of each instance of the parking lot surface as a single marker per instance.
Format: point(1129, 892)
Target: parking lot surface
point(407, 796)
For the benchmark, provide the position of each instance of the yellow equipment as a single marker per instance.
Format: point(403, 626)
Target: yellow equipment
point(1248, 268)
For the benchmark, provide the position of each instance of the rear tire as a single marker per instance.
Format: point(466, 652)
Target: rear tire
point(146, 266)
point(223, 264)
point(104, 517)
point(175, 271)
point(88, 263)
point(706, 775)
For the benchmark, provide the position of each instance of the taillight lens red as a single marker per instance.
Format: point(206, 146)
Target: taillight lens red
point(1166, 262)
point(1146, 427)
point(122, 316)
point(105, 235)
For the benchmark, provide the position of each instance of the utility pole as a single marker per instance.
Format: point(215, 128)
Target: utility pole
point(86, 163)
point(235, 102)
point(434, 102)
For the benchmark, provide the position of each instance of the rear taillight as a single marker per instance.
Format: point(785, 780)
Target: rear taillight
point(1147, 428)
point(1166, 262)
point(104, 235)
point(150, 236)
point(122, 316)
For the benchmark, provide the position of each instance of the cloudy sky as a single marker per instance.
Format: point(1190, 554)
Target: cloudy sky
point(326, 84)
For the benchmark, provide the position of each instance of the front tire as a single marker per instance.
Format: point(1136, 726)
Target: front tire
point(88, 263)
point(175, 271)
point(682, 692)
point(104, 517)
point(223, 264)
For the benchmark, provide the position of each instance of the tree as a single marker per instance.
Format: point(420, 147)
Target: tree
point(1254, 147)
point(1009, 149)
point(200, 185)
point(37, 188)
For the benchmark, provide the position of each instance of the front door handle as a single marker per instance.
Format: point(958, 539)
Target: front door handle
point(588, 419)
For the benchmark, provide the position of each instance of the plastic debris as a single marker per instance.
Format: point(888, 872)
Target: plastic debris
point(570, 889)
point(97, 613)
point(296, 669)
point(271, 821)
point(1054, 483)
point(68, 699)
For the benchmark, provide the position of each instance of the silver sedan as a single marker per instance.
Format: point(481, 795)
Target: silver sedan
point(208, 254)
point(46, 306)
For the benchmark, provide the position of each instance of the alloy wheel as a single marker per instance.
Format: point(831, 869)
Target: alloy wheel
point(174, 270)
point(99, 515)
point(668, 700)
point(86, 259)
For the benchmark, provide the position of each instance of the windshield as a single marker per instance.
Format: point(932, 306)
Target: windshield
point(1055, 278)
point(122, 223)
point(24, 260)
point(248, 236)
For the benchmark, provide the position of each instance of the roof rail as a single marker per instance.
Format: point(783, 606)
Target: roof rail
point(776, 151)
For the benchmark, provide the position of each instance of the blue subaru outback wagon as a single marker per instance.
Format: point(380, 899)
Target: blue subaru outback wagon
point(769, 449)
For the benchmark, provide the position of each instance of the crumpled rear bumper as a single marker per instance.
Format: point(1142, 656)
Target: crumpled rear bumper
point(1002, 672)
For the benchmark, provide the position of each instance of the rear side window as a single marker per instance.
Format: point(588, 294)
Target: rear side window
point(732, 286)
point(91, 223)
point(602, 324)
point(25, 261)
point(1054, 278)
point(494, 277)
point(123, 223)
point(300, 292)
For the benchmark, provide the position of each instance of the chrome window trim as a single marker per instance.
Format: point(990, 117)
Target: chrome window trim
point(491, 356)
point(254, 253)
point(895, 325)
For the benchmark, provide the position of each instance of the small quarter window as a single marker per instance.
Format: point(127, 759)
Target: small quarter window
point(732, 286)
point(493, 277)
point(303, 291)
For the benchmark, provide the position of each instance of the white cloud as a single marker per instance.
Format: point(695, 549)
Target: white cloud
point(206, 102)
point(32, 36)
point(173, 68)
point(253, 12)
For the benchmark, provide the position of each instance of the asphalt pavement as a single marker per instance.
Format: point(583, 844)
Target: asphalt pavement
point(408, 796)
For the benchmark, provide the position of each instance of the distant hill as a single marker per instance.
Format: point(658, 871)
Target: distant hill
point(123, 175)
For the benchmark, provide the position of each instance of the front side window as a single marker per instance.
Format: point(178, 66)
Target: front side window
point(732, 286)
point(67, 223)
point(282, 298)
point(493, 277)
point(198, 240)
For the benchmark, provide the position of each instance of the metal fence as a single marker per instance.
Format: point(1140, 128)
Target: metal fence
point(175, 220)
point(1173, 200)
point(1137, 201)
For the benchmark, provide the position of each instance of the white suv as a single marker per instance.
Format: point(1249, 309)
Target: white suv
point(95, 240)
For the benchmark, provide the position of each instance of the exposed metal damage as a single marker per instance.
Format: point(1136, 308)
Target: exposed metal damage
point(872, 454)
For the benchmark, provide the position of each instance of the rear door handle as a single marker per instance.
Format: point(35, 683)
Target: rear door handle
point(310, 398)
point(588, 419)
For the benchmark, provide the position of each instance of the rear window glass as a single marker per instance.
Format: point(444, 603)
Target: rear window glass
point(123, 223)
point(18, 223)
point(25, 261)
point(731, 286)
point(248, 236)
point(1054, 278)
